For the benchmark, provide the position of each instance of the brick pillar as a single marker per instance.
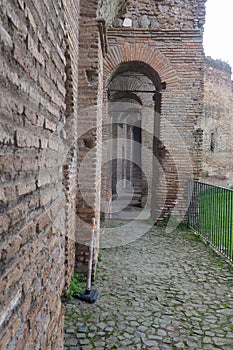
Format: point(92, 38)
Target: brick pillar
point(71, 112)
point(147, 153)
point(90, 97)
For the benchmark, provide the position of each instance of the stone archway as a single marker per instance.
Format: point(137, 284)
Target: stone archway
point(133, 108)
point(142, 53)
point(165, 82)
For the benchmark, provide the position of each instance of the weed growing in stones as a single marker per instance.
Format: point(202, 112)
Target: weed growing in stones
point(76, 286)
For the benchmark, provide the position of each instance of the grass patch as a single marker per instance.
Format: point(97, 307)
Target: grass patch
point(220, 264)
point(103, 277)
point(100, 256)
point(192, 236)
point(183, 226)
point(215, 217)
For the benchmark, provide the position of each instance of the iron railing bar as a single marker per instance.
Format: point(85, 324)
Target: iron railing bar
point(217, 222)
point(211, 214)
point(190, 188)
point(206, 215)
point(225, 220)
point(230, 222)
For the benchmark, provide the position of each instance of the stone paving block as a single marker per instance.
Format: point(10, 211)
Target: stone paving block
point(71, 342)
point(80, 335)
point(82, 329)
point(70, 330)
point(84, 341)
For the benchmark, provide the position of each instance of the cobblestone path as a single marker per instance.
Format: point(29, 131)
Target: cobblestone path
point(163, 291)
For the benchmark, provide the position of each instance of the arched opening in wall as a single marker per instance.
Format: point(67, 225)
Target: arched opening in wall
point(125, 122)
point(134, 105)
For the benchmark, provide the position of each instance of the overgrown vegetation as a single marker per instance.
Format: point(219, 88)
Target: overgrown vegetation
point(192, 236)
point(100, 256)
point(77, 285)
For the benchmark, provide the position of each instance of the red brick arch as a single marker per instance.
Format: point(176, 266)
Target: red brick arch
point(143, 53)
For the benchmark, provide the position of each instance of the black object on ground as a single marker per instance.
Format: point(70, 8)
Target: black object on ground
point(90, 296)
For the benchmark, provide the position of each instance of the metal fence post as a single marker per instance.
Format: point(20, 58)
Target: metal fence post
point(189, 201)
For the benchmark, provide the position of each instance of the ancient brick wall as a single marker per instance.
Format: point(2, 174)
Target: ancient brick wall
point(95, 16)
point(37, 109)
point(52, 128)
point(217, 124)
point(177, 57)
point(70, 177)
point(89, 131)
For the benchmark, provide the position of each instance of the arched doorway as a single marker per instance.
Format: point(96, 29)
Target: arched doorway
point(134, 104)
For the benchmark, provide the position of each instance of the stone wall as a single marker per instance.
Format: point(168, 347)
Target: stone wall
point(110, 9)
point(37, 169)
point(217, 124)
point(163, 14)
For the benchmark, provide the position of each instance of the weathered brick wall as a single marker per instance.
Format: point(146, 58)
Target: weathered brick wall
point(70, 177)
point(177, 57)
point(217, 124)
point(89, 131)
point(36, 117)
point(52, 126)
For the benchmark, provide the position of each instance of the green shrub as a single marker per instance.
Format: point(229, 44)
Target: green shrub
point(76, 286)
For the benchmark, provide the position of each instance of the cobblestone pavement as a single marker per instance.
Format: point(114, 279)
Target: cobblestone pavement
point(163, 291)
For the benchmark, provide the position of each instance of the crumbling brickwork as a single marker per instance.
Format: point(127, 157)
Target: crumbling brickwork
point(173, 50)
point(217, 123)
point(34, 214)
point(110, 9)
point(164, 14)
point(89, 132)
point(71, 134)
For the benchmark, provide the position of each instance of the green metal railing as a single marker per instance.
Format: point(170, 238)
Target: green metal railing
point(210, 214)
